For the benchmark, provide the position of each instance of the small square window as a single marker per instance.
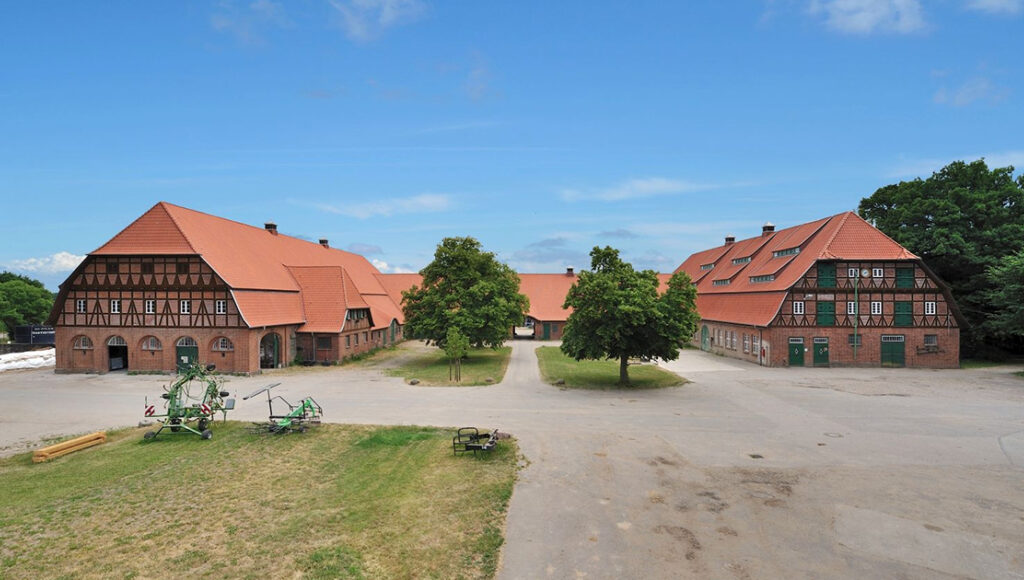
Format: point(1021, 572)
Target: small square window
point(877, 273)
point(185, 307)
point(323, 343)
point(851, 272)
point(221, 306)
point(931, 340)
point(79, 305)
point(854, 339)
point(851, 307)
point(798, 307)
point(876, 308)
point(150, 306)
point(929, 308)
point(115, 307)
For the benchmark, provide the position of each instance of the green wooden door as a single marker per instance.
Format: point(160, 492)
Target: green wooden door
point(186, 355)
point(796, 352)
point(547, 331)
point(705, 338)
point(827, 275)
point(893, 350)
point(826, 313)
point(821, 352)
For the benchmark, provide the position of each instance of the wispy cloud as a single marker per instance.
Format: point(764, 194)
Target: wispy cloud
point(52, 264)
point(246, 22)
point(870, 16)
point(636, 189)
point(996, 6)
point(924, 167)
point(478, 80)
point(424, 203)
point(389, 269)
point(618, 233)
point(977, 89)
point(364, 249)
point(364, 20)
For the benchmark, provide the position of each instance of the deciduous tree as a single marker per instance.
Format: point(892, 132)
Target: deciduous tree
point(618, 313)
point(466, 288)
point(23, 301)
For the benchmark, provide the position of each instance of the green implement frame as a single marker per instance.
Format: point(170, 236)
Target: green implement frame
point(192, 402)
point(297, 418)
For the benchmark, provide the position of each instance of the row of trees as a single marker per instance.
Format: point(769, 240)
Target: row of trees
point(469, 298)
point(967, 223)
point(23, 300)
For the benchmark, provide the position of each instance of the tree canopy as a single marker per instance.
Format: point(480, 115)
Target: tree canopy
point(962, 221)
point(22, 301)
point(466, 288)
point(618, 313)
point(1006, 297)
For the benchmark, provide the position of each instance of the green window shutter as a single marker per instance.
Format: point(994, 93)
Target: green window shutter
point(904, 277)
point(826, 275)
point(826, 313)
point(903, 314)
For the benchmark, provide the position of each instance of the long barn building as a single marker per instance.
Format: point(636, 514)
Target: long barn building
point(178, 286)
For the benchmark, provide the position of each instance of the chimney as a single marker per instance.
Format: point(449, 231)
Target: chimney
point(730, 240)
point(270, 227)
point(767, 229)
point(568, 271)
point(324, 243)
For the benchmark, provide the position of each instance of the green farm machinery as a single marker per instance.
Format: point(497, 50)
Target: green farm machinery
point(297, 418)
point(192, 402)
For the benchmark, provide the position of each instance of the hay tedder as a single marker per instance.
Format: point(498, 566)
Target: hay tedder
point(297, 418)
point(191, 404)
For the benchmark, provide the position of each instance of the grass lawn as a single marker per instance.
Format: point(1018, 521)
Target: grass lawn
point(334, 502)
point(603, 374)
point(431, 367)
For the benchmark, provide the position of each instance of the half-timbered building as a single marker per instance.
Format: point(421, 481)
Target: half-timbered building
point(179, 286)
point(835, 291)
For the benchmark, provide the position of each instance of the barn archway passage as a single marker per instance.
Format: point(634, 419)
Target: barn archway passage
point(186, 352)
point(117, 353)
point(270, 351)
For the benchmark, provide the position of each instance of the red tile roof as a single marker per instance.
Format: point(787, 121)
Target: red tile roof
point(252, 258)
point(547, 293)
point(787, 255)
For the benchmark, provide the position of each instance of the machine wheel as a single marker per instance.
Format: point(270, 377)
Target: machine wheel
point(174, 425)
point(149, 435)
point(207, 434)
point(203, 424)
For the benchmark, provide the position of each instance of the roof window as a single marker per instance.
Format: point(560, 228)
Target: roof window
point(706, 266)
point(761, 279)
point(724, 282)
point(737, 261)
point(786, 252)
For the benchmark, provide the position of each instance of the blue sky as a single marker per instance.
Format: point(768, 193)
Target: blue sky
point(540, 128)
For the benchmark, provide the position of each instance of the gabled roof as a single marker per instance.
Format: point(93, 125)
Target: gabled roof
point(756, 289)
point(266, 269)
point(547, 293)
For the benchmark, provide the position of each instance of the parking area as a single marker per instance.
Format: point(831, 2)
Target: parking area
point(745, 472)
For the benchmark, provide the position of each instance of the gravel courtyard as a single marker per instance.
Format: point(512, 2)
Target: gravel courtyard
point(745, 472)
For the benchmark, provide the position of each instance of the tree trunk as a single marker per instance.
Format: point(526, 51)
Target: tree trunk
point(624, 370)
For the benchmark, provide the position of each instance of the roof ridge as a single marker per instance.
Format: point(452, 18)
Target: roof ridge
point(163, 205)
point(828, 245)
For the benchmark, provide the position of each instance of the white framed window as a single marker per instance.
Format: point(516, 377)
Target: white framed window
point(185, 307)
point(187, 341)
point(876, 307)
point(931, 340)
point(851, 307)
point(80, 305)
point(151, 343)
point(798, 307)
point(877, 273)
point(929, 308)
point(221, 307)
point(222, 344)
point(116, 341)
point(746, 343)
point(83, 343)
point(115, 306)
point(852, 272)
point(150, 306)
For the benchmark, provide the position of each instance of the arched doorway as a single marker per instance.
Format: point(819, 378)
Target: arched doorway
point(117, 353)
point(270, 351)
point(186, 352)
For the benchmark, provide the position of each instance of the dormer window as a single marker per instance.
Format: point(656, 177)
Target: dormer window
point(738, 261)
point(706, 266)
point(762, 279)
point(721, 282)
point(786, 252)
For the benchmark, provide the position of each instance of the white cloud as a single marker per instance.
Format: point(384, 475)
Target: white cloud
point(869, 16)
point(924, 167)
point(996, 6)
point(53, 264)
point(385, 268)
point(245, 23)
point(636, 189)
point(424, 203)
point(363, 20)
point(970, 91)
